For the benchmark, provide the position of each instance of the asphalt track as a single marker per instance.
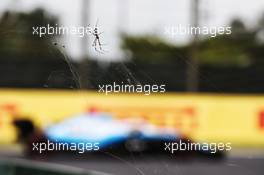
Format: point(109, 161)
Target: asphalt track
point(164, 166)
point(160, 165)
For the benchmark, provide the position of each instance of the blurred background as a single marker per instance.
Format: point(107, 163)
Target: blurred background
point(134, 36)
point(220, 80)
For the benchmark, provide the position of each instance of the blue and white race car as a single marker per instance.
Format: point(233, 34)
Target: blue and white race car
point(101, 132)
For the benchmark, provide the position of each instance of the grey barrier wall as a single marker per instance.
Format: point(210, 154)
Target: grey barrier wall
point(27, 167)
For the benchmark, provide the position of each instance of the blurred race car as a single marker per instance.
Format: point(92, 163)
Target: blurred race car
point(107, 133)
point(101, 132)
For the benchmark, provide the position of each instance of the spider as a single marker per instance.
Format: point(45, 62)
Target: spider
point(97, 43)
